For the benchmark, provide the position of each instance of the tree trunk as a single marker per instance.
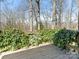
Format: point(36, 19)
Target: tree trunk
point(37, 11)
point(31, 15)
point(78, 19)
point(54, 17)
point(78, 12)
point(57, 11)
point(60, 7)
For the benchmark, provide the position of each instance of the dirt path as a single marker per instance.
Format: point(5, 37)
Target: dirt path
point(44, 52)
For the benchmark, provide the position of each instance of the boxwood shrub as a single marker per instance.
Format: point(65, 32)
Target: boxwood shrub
point(63, 37)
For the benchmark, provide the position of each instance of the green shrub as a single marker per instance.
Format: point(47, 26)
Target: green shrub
point(47, 34)
point(42, 36)
point(63, 37)
point(19, 39)
point(35, 40)
point(13, 39)
point(77, 38)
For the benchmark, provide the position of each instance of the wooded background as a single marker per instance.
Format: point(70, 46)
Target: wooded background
point(31, 15)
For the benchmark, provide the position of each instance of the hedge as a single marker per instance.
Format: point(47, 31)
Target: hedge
point(64, 37)
point(13, 39)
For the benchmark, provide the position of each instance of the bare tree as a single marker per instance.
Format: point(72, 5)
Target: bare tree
point(78, 12)
point(69, 15)
point(78, 19)
point(31, 14)
point(60, 11)
point(37, 12)
point(57, 12)
point(54, 17)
